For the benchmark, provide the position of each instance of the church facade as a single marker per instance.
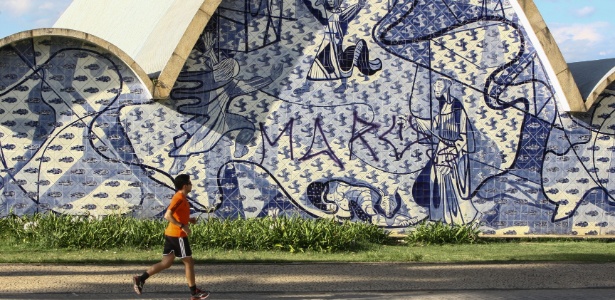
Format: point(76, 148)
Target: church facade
point(386, 112)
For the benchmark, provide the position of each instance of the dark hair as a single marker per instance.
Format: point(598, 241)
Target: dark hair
point(181, 180)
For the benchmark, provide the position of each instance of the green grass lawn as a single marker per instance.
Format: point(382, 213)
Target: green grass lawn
point(500, 252)
point(49, 238)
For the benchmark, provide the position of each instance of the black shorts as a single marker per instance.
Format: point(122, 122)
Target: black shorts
point(179, 246)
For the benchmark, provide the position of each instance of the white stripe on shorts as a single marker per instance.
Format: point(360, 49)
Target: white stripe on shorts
point(181, 247)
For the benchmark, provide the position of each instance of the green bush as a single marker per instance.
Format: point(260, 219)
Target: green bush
point(112, 232)
point(289, 234)
point(78, 232)
point(439, 233)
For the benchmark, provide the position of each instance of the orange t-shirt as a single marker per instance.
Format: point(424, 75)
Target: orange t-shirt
point(180, 209)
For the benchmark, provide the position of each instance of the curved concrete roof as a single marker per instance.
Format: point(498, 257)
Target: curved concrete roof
point(156, 37)
point(592, 77)
point(566, 84)
point(119, 53)
point(157, 34)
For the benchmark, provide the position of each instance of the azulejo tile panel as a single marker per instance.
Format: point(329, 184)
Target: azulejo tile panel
point(387, 112)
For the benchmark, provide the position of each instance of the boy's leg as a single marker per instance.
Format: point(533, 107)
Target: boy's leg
point(165, 263)
point(168, 256)
point(171, 247)
point(185, 253)
point(189, 264)
point(197, 294)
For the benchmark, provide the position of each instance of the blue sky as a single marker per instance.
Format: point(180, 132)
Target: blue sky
point(583, 29)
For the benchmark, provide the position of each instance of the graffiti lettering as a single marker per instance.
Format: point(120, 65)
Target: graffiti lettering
point(357, 134)
point(329, 152)
point(288, 129)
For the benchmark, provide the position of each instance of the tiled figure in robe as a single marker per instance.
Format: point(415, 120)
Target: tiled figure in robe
point(332, 61)
point(444, 184)
point(210, 93)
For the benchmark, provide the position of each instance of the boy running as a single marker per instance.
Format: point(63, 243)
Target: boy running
point(176, 239)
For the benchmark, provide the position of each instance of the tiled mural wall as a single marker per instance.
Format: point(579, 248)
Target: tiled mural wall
point(387, 112)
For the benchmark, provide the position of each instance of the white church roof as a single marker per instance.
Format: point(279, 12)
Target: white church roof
point(157, 34)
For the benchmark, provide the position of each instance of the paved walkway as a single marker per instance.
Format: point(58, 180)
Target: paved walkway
point(317, 281)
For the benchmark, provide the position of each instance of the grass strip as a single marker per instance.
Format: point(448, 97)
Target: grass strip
point(553, 251)
point(118, 239)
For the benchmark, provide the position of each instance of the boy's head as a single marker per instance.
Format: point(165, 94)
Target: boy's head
point(181, 180)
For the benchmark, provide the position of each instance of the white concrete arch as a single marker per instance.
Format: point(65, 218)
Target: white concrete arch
point(70, 33)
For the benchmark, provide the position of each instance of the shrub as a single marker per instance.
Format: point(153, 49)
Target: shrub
point(440, 233)
point(78, 232)
point(116, 231)
point(285, 233)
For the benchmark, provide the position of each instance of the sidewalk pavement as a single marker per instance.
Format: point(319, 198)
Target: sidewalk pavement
point(316, 281)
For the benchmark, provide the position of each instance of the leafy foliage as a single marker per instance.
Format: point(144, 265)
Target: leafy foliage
point(78, 232)
point(439, 233)
point(289, 234)
point(115, 231)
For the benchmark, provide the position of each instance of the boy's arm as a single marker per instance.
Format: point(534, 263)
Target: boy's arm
point(168, 215)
